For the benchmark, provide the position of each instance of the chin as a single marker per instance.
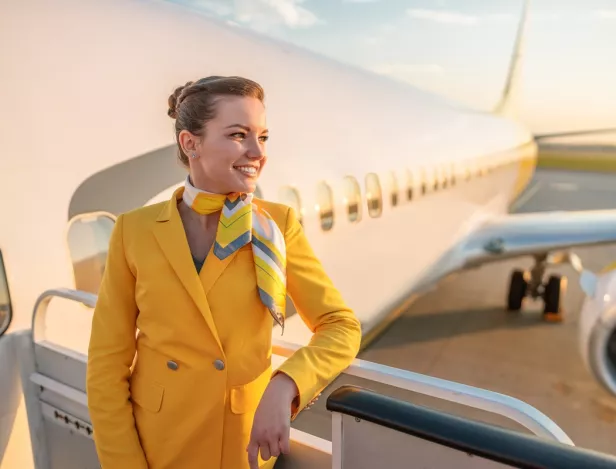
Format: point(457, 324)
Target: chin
point(248, 185)
point(243, 188)
point(251, 188)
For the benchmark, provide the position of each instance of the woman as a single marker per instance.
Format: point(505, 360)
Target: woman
point(202, 277)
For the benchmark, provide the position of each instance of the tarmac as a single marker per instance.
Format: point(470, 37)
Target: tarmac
point(461, 332)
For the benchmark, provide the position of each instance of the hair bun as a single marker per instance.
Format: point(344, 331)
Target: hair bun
point(174, 100)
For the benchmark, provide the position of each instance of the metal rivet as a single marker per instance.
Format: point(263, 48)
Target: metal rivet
point(219, 365)
point(172, 365)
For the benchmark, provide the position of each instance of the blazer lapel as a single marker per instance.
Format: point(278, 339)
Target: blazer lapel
point(213, 268)
point(171, 237)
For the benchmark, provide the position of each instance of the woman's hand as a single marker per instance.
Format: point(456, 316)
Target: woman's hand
point(272, 423)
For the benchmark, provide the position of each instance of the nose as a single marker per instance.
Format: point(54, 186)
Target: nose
point(256, 150)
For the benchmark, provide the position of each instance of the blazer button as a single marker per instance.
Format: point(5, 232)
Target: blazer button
point(219, 365)
point(172, 365)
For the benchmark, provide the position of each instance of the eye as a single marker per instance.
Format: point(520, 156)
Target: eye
point(238, 135)
point(264, 138)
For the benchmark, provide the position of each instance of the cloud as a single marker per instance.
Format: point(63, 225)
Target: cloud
point(605, 14)
point(371, 40)
point(454, 17)
point(360, 1)
point(546, 16)
point(291, 13)
point(381, 34)
point(442, 16)
point(212, 6)
point(261, 15)
point(498, 17)
point(407, 72)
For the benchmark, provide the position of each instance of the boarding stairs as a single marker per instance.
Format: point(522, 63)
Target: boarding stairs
point(369, 430)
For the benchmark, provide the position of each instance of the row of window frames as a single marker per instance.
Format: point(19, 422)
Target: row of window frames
point(374, 196)
point(91, 232)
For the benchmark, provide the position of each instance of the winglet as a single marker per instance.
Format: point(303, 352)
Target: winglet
point(506, 105)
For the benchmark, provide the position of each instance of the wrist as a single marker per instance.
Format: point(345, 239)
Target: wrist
point(286, 385)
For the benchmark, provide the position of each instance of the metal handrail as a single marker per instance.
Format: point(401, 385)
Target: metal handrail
point(42, 303)
point(470, 396)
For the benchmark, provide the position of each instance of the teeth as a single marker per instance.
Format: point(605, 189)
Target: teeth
point(250, 170)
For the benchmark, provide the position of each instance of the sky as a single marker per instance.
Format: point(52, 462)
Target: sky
point(460, 48)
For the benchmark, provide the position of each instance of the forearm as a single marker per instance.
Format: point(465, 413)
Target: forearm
point(336, 330)
point(331, 350)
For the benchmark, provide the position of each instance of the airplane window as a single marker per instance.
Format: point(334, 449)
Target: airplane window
point(352, 195)
point(394, 190)
point(424, 182)
point(88, 242)
point(6, 311)
point(474, 169)
point(430, 179)
point(290, 196)
point(325, 206)
point(420, 177)
point(482, 168)
point(436, 174)
point(374, 195)
point(410, 185)
point(444, 177)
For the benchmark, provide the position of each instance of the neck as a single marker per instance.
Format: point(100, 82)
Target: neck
point(206, 206)
point(207, 221)
point(199, 185)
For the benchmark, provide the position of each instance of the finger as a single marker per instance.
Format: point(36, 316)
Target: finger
point(265, 450)
point(274, 447)
point(253, 453)
point(284, 443)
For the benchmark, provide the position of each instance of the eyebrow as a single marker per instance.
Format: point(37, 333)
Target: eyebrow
point(247, 129)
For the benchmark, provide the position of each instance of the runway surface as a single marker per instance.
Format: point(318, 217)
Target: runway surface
point(461, 332)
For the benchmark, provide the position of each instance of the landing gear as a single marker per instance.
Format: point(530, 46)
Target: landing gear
point(524, 284)
point(518, 286)
point(553, 293)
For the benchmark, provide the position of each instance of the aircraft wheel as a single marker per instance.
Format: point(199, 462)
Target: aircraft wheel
point(553, 296)
point(518, 287)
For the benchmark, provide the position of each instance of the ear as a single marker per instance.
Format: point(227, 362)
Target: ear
point(188, 142)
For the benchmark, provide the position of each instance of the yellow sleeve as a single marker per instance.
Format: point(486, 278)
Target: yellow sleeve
point(337, 332)
point(110, 356)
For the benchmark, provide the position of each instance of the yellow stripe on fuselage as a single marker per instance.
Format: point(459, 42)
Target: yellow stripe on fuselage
point(607, 268)
point(527, 163)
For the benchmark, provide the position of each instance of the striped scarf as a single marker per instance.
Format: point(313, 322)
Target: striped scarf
point(242, 222)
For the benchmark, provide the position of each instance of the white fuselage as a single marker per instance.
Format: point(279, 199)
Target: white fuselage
point(85, 85)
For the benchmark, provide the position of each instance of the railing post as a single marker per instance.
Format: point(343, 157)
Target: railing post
point(337, 440)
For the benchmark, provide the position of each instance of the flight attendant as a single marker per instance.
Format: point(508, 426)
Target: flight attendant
point(203, 277)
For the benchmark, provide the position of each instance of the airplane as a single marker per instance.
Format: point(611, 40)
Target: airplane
point(396, 188)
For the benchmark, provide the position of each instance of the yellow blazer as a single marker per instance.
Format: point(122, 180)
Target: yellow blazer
point(203, 352)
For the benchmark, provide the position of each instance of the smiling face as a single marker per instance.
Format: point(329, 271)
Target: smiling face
point(229, 155)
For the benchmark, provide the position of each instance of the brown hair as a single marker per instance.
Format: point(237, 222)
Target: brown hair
point(193, 104)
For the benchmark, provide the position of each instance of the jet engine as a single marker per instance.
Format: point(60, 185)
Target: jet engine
point(598, 325)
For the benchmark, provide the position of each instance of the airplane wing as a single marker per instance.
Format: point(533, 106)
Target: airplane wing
point(536, 234)
point(575, 133)
point(545, 234)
